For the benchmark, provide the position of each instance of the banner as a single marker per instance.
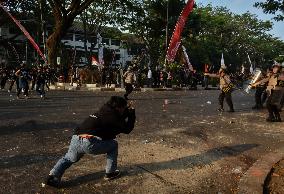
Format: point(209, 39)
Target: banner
point(175, 40)
point(187, 59)
point(26, 33)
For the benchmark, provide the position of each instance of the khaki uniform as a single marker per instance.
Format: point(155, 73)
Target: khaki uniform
point(224, 81)
point(129, 80)
point(226, 92)
point(275, 90)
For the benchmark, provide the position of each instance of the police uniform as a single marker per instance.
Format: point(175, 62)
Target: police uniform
point(226, 88)
point(275, 91)
point(129, 80)
point(260, 92)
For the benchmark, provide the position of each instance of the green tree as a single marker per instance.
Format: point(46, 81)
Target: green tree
point(275, 7)
point(148, 20)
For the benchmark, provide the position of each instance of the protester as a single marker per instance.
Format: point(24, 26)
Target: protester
point(13, 79)
point(206, 76)
point(4, 77)
point(40, 82)
point(96, 135)
point(24, 77)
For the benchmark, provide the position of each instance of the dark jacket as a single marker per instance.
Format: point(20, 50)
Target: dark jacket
point(107, 123)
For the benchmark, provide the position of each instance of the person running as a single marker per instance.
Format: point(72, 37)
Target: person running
point(40, 82)
point(96, 135)
point(14, 79)
point(24, 77)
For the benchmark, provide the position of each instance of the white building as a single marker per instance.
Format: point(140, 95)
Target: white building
point(74, 40)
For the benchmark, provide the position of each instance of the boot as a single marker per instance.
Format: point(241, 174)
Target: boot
point(270, 118)
point(277, 117)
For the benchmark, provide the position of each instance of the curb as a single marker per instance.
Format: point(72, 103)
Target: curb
point(91, 87)
point(253, 180)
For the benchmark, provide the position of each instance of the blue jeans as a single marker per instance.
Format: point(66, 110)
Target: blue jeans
point(80, 146)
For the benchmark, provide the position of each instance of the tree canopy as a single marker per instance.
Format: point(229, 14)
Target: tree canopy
point(209, 31)
point(275, 7)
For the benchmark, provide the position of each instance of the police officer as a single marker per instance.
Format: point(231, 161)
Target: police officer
point(260, 92)
point(226, 88)
point(129, 80)
point(96, 135)
point(275, 91)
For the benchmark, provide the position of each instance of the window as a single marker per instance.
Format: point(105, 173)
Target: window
point(105, 41)
point(115, 42)
point(68, 37)
point(79, 37)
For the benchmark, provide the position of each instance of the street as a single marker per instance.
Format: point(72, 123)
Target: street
point(180, 144)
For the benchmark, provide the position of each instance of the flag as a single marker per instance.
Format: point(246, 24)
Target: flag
point(175, 40)
point(26, 33)
point(95, 62)
point(243, 69)
point(187, 59)
point(223, 62)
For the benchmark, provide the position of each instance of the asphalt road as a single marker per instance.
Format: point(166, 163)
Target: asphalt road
point(184, 146)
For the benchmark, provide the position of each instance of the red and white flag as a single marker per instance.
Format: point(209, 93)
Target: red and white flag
point(175, 40)
point(95, 62)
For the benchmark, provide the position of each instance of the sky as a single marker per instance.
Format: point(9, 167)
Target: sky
point(242, 6)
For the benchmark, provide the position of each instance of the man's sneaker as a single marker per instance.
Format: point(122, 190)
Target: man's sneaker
point(53, 181)
point(113, 175)
point(220, 109)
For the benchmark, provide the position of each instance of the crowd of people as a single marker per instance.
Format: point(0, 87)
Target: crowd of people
point(269, 86)
point(25, 79)
point(97, 133)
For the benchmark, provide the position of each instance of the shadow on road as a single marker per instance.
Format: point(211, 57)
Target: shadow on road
point(32, 125)
point(24, 160)
point(180, 163)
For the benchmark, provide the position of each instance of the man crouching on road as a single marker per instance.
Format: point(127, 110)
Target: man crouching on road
point(96, 135)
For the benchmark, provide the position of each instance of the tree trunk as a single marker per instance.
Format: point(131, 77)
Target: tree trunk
point(53, 41)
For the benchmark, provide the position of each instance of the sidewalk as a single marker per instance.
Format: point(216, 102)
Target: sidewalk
point(259, 177)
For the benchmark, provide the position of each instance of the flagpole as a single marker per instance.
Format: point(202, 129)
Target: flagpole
point(167, 24)
point(167, 31)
